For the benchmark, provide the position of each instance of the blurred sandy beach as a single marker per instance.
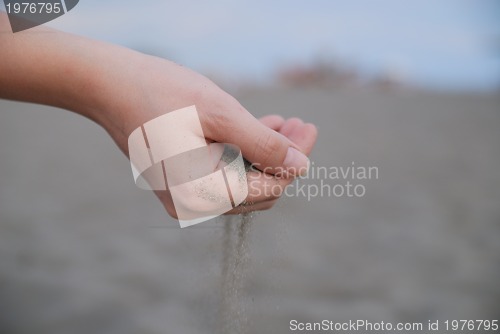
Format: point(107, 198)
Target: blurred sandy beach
point(82, 250)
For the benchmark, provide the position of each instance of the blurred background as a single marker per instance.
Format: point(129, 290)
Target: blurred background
point(412, 87)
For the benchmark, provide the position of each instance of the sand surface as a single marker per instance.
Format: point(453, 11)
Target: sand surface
point(82, 250)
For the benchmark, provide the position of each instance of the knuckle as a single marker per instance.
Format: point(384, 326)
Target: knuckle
point(268, 146)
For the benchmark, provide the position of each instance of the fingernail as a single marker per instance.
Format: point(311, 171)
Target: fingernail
point(296, 163)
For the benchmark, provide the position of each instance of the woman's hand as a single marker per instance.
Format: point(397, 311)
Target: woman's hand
point(271, 144)
point(121, 89)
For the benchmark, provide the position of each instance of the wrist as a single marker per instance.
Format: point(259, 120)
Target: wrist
point(99, 81)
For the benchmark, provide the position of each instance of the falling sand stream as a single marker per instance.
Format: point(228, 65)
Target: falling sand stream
point(235, 262)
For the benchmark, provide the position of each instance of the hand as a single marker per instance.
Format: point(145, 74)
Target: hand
point(121, 89)
point(265, 189)
point(272, 144)
point(164, 86)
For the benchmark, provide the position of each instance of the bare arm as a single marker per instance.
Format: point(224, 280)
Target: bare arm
point(120, 89)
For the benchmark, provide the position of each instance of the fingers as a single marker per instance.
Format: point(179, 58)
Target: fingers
point(264, 187)
point(290, 125)
point(271, 144)
point(304, 135)
point(266, 148)
point(274, 122)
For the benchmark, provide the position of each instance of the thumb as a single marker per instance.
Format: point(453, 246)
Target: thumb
point(268, 150)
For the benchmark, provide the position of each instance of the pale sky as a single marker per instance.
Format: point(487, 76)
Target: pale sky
point(445, 44)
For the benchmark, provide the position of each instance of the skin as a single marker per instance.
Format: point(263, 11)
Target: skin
point(121, 89)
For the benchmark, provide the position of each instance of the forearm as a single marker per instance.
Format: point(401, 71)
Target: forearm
point(116, 87)
point(50, 67)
